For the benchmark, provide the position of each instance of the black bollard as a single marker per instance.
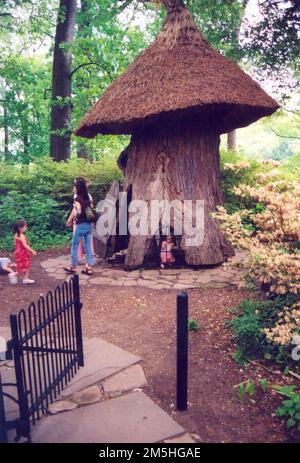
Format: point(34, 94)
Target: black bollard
point(182, 351)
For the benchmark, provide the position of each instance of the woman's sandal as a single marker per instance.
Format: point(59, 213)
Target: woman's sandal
point(87, 271)
point(69, 270)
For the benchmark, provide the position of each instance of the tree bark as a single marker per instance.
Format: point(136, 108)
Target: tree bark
point(26, 148)
point(6, 133)
point(82, 149)
point(177, 163)
point(231, 140)
point(60, 137)
point(83, 152)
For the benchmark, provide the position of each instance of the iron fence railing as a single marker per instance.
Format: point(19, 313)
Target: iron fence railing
point(47, 349)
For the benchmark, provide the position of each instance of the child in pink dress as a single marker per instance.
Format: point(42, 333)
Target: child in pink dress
point(166, 254)
point(23, 251)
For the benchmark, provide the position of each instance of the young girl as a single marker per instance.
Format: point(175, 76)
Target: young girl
point(166, 255)
point(71, 219)
point(22, 251)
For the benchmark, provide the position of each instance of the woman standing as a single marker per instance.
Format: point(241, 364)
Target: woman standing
point(83, 230)
point(71, 220)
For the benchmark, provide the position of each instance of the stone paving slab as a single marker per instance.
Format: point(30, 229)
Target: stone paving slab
point(5, 332)
point(128, 379)
point(184, 439)
point(131, 418)
point(101, 360)
point(227, 274)
point(11, 408)
point(88, 396)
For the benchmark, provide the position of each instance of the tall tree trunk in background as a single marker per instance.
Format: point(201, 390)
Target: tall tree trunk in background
point(82, 148)
point(231, 136)
point(26, 148)
point(231, 140)
point(6, 134)
point(83, 151)
point(60, 136)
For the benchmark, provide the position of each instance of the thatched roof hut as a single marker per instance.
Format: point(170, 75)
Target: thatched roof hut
point(176, 99)
point(179, 74)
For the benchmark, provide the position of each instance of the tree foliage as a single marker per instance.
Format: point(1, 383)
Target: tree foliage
point(108, 36)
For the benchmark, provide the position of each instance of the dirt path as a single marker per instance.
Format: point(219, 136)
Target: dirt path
point(143, 321)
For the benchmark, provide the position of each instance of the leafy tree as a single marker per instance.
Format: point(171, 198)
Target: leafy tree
point(274, 42)
point(26, 112)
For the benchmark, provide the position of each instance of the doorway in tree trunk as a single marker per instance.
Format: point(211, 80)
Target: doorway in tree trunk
point(180, 162)
point(153, 256)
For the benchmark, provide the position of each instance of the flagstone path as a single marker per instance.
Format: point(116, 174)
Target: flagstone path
point(103, 403)
point(229, 274)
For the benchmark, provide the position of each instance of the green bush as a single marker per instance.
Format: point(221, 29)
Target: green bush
point(41, 193)
point(46, 222)
point(247, 329)
point(252, 317)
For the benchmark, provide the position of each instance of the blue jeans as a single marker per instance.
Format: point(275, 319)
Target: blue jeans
point(83, 232)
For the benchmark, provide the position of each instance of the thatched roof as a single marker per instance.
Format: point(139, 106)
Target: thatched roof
point(178, 76)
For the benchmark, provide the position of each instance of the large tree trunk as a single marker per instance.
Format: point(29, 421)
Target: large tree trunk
point(83, 27)
point(177, 163)
point(26, 147)
point(231, 140)
point(6, 133)
point(60, 137)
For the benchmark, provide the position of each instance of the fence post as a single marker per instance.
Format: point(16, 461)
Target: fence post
point(78, 327)
point(23, 426)
point(3, 430)
point(182, 351)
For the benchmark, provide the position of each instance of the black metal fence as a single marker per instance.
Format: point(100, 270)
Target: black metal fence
point(47, 349)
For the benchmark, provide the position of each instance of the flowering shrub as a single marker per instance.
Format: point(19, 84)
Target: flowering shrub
point(287, 328)
point(270, 230)
point(276, 270)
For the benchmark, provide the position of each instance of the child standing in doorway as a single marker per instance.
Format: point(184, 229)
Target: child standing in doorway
point(166, 254)
point(23, 251)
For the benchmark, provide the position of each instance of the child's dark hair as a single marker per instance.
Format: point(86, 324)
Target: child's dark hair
point(18, 225)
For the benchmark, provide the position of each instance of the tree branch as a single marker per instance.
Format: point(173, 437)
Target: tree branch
point(283, 136)
point(92, 64)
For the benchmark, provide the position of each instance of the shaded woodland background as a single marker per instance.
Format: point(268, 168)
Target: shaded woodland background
point(58, 57)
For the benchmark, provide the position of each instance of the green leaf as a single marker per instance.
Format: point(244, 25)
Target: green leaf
point(286, 370)
point(291, 422)
point(250, 388)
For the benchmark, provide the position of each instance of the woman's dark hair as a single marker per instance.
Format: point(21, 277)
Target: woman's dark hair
point(18, 225)
point(81, 188)
point(81, 177)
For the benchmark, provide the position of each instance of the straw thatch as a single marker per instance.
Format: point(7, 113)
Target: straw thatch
point(178, 76)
